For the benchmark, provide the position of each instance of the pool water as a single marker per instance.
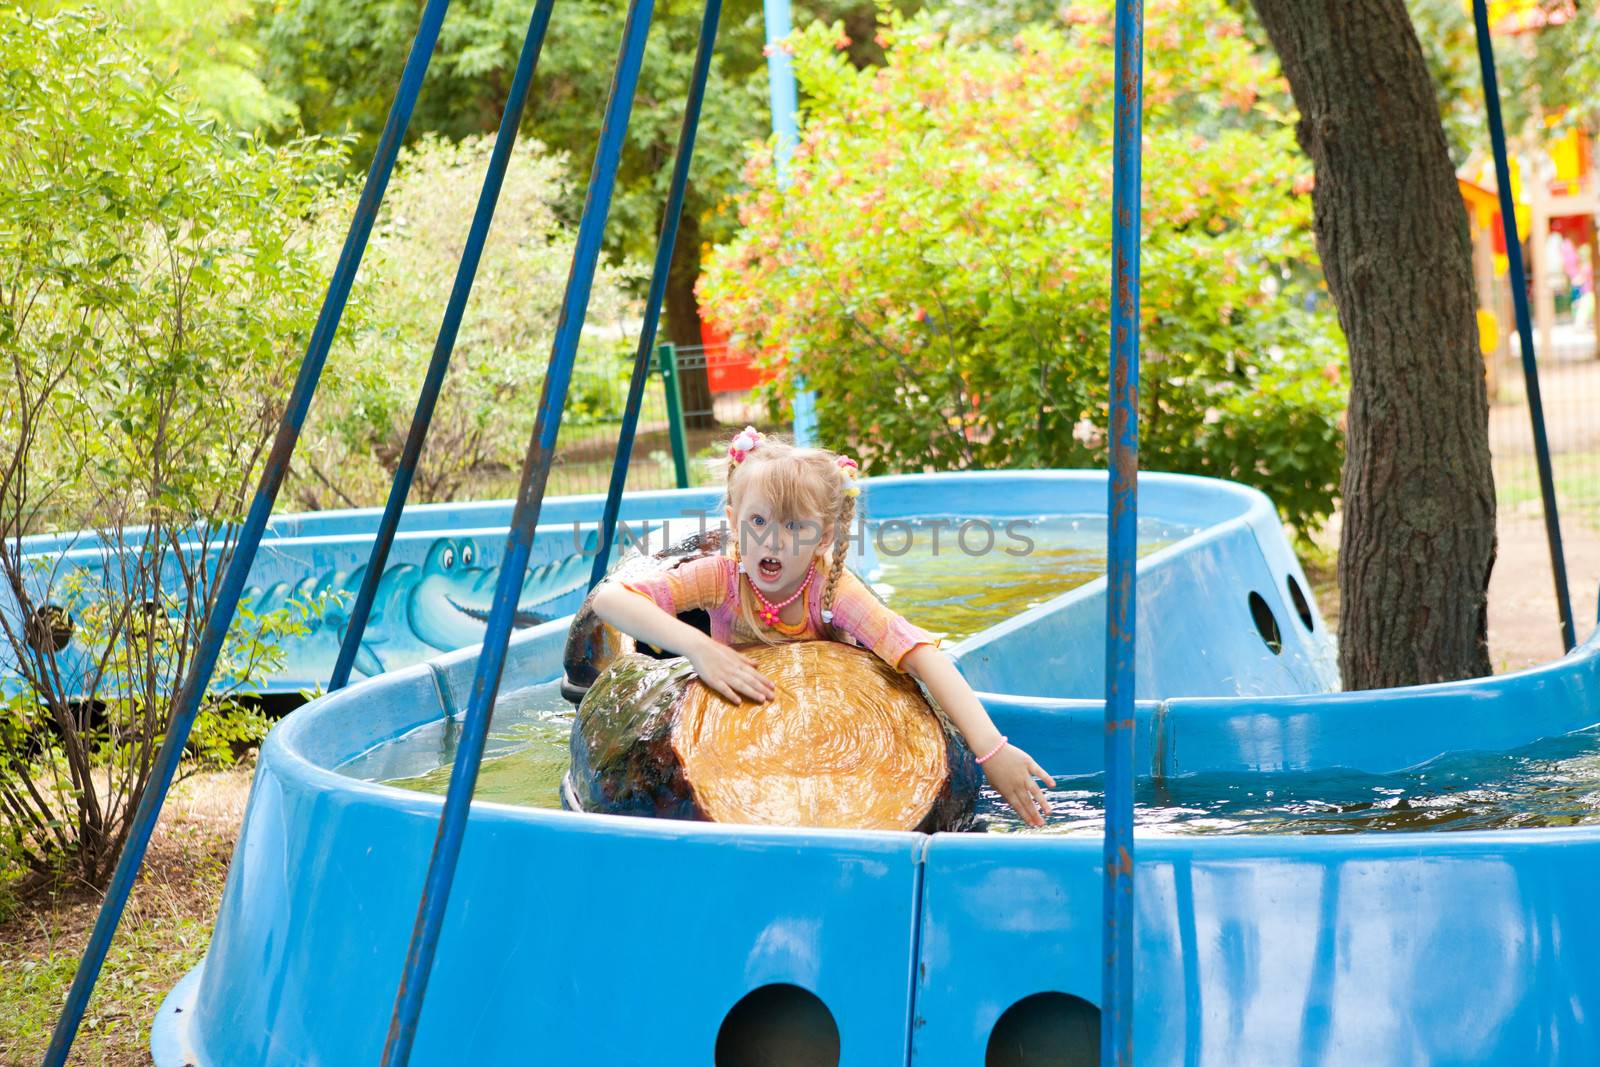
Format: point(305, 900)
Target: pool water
point(1553, 782)
point(956, 577)
point(949, 578)
point(523, 757)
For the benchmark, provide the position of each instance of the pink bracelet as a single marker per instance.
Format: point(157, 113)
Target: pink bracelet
point(993, 750)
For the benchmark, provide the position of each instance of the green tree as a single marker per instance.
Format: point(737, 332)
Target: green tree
point(156, 292)
point(1444, 30)
point(486, 411)
point(340, 62)
point(938, 267)
point(1564, 67)
point(210, 47)
point(1549, 72)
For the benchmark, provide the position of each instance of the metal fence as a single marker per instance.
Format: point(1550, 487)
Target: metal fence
point(1569, 380)
point(695, 396)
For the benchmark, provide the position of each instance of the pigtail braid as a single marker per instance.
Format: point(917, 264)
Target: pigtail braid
point(841, 540)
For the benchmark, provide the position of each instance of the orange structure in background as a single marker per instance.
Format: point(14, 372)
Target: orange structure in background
point(1511, 17)
point(1564, 201)
point(1573, 156)
point(1558, 194)
point(729, 370)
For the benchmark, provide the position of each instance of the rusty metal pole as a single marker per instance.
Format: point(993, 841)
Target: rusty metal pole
point(1116, 1021)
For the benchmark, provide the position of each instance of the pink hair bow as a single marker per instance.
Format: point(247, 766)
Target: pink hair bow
point(743, 444)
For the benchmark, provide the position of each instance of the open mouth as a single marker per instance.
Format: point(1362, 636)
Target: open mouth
point(770, 568)
point(522, 619)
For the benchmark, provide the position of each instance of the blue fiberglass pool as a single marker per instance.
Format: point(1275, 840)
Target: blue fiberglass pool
point(586, 939)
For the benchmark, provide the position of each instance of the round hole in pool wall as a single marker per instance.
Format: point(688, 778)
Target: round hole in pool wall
point(1302, 606)
point(1046, 1030)
point(778, 1025)
point(1266, 623)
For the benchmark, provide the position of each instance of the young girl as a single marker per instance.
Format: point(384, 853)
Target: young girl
point(793, 509)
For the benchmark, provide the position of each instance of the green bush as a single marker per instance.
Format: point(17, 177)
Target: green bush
point(157, 289)
point(938, 263)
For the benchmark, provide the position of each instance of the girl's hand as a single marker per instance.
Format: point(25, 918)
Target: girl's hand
point(730, 672)
point(1011, 771)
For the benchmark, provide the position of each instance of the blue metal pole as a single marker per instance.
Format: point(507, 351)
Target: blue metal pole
point(1116, 1020)
point(505, 140)
point(658, 286)
point(781, 91)
point(187, 704)
point(1519, 299)
point(785, 103)
point(519, 543)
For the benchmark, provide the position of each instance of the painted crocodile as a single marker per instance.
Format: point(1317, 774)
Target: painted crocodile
point(419, 611)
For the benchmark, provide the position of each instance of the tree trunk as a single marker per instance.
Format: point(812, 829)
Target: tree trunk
point(1419, 508)
point(683, 318)
point(651, 739)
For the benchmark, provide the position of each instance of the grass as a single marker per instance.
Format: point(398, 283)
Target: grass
point(1577, 478)
point(163, 934)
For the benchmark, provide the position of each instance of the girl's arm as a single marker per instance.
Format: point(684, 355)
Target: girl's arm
point(724, 669)
point(1011, 771)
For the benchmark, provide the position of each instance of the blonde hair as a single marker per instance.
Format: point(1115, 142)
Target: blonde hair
point(801, 484)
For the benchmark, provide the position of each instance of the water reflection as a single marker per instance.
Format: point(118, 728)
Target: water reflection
point(1555, 782)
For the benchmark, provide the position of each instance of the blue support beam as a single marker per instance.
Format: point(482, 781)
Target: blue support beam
point(785, 101)
point(781, 91)
point(658, 287)
point(193, 689)
point(519, 543)
point(505, 140)
point(1519, 299)
point(1116, 1019)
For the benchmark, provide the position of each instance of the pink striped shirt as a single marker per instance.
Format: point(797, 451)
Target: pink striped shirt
point(712, 584)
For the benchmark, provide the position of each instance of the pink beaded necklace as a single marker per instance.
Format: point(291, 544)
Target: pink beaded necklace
point(769, 611)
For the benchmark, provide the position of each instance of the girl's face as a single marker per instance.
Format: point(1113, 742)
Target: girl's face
point(776, 552)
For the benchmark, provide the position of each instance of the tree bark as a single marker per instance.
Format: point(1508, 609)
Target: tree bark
point(683, 318)
point(1418, 539)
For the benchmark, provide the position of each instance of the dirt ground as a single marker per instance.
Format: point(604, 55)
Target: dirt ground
point(1522, 602)
point(1523, 630)
point(163, 934)
point(1523, 625)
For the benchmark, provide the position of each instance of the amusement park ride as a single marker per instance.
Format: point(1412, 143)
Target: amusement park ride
point(1554, 184)
point(574, 937)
